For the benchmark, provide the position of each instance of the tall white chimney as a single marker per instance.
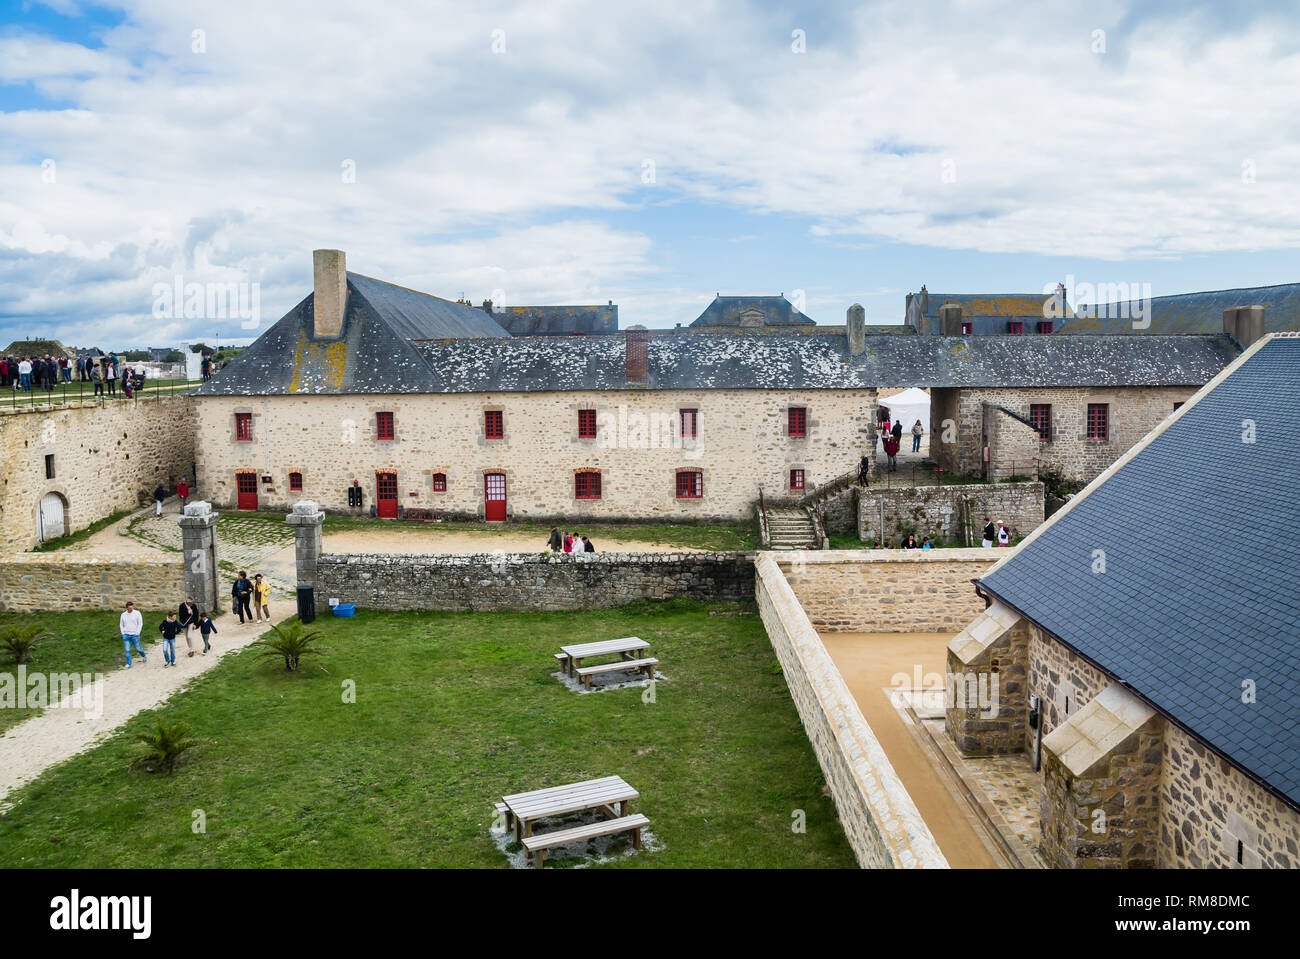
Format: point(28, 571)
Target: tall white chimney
point(330, 295)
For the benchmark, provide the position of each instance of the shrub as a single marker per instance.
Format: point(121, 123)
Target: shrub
point(289, 643)
point(18, 641)
point(167, 742)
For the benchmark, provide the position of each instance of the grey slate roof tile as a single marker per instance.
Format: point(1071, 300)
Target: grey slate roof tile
point(1202, 589)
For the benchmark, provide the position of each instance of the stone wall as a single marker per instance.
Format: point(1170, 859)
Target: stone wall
point(1063, 680)
point(1134, 412)
point(106, 458)
point(936, 511)
point(986, 712)
point(529, 581)
point(63, 581)
point(889, 591)
point(879, 818)
point(741, 444)
point(1206, 806)
point(1014, 446)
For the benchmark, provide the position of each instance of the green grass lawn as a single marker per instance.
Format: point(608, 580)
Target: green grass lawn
point(83, 642)
point(78, 392)
point(452, 711)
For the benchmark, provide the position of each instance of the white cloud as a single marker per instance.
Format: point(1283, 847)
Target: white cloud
point(477, 171)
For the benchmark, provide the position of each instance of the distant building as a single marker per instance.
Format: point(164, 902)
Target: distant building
point(750, 313)
point(38, 348)
point(557, 320)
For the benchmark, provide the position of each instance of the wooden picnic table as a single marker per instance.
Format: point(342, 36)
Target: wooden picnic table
point(577, 653)
point(527, 808)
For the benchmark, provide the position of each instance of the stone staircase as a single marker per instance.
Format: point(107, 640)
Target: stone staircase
point(791, 529)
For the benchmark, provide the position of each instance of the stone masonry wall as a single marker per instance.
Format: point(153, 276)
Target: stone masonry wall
point(1134, 412)
point(529, 581)
point(1057, 675)
point(1206, 806)
point(935, 511)
point(879, 818)
point(889, 591)
point(106, 458)
point(741, 444)
point(30, 582)
point(1014, 446)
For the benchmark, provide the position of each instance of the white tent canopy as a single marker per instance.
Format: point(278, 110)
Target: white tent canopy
point(909, 406)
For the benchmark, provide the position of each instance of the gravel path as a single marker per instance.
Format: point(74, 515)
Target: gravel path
point(60, 733)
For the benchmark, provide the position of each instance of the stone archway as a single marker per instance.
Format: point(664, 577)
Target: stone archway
point(51, 516)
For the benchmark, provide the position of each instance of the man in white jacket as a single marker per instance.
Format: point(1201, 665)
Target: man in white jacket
point(130, 626)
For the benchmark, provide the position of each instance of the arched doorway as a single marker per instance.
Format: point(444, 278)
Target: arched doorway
point(51, 517)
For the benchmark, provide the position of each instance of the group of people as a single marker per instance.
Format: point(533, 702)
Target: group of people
point(27, 373)
point(255, 591)
point(185, 620)
point(909, 542)
point(999, 534)
point(160, 494)
point(34, 372)
point(568, 542)
point(890, 438)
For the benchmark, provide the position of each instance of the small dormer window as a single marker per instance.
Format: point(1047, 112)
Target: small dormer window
point(752, 318)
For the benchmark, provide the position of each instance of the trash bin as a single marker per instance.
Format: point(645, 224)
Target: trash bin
point(306, 603)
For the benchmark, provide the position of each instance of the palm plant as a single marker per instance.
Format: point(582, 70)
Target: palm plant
point(18, 641)
point(167, 742)
point(288, 642)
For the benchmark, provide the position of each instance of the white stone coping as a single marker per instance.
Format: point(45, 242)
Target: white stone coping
point(75, 559)
point(982, 632)
point(854, 557)
point(907, 838)
point(1110, 717)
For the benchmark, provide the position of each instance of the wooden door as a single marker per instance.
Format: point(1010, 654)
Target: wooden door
point(386, 495)
point(494, 497)
point(49, 517)
point(246, 485)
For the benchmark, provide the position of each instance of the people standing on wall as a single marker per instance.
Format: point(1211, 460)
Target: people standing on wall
point(110, 374)
point(587, 546)
point(262, 598)
point(206, 367)
point(183, 491)
point(909, 542)
point(554, 544)
point(242, 591)
point(926, 544)
point(188, 617)
point(65, 369)
point(4, 370)
point(98, 379)
point(81, 367)
point(568, 542)
point(169, 627)
point(130, 624)
point(990, 533)
point(917, 432)
point(1004, 534)
point(25, 374)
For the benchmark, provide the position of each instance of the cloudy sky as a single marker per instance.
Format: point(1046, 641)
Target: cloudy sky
point(652, 154)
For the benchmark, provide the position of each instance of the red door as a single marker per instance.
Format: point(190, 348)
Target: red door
point(246, 485)
point(386, 495)
point(494, 489)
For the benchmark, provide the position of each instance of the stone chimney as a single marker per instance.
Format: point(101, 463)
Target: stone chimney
point(1245, 324)
point(330, 296)
point(950, 319)
point(637, 348)
point(856, 328)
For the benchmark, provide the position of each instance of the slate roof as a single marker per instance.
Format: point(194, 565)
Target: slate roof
point(725, 311)
point(989, 312)
point(1195, 312)
point(421, 316)
point(557, 320)
point(1201, 589)
point(286, 359)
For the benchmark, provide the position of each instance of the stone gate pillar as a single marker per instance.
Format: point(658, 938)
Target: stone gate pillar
point(306, 520)
point(199, 545)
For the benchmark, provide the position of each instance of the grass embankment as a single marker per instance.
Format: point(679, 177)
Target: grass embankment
point(62, 542)
point(452, 711)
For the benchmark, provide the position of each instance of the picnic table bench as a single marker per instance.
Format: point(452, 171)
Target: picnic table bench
point(571, 657)
point(609, 796)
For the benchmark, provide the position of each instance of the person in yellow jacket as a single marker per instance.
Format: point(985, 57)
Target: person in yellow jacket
point(261, 598)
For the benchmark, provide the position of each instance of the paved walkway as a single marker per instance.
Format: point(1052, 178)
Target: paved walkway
point(59, 733)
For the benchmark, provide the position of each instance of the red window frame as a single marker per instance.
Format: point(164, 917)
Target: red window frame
point(796, 479)
point(1016, 327)
point(1099, 422)
point(384, 426)
point(1040, 414)
point(796, 423)
point(690, 484)
point(967, 328)
point(586, 424)
point(440, 482)
point(586, 484)
point(690, 422)
point(1045, 326)
point(295, 482)
point(244, 427)
point(494, 426)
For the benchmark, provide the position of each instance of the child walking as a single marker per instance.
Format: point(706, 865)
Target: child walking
point(169, 627)
point(206, 626)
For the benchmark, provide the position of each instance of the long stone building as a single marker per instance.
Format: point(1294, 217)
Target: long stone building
point(372, 398)
point(1151, 628)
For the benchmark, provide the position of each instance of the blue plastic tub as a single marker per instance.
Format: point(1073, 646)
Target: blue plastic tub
point(345, 609)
